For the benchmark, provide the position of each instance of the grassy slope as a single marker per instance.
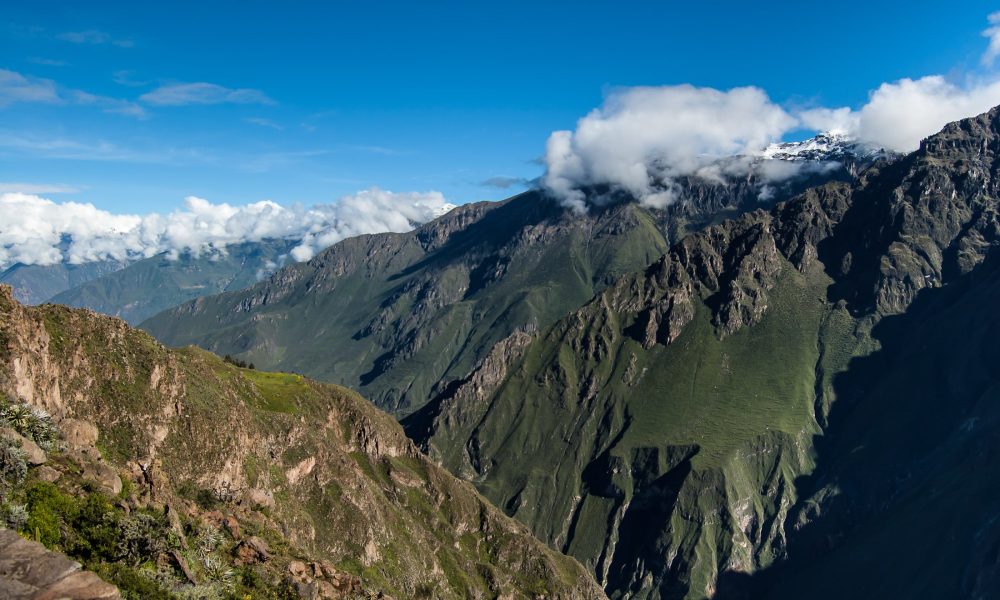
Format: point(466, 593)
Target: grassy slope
point(719, 402)
point(434, 316)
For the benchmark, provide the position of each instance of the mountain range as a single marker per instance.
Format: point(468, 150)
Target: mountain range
point(762, 390)
point(718, 399)
point(400, 316)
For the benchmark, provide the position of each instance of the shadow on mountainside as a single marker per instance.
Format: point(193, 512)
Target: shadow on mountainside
point(905, 497)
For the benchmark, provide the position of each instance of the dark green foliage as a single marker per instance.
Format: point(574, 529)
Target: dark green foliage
point(237, 362)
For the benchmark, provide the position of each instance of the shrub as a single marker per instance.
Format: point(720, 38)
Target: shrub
point(33, 423)
point(237, 362)
point(15, 515)
point(13, 466)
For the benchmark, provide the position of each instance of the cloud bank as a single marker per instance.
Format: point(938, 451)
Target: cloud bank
point(34, 230)
point(642, 139)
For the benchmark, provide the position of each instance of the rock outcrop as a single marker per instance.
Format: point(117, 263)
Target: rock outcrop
point(30, 572)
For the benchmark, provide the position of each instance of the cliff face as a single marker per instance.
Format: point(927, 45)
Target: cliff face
point(770, 401)
point(320, 473)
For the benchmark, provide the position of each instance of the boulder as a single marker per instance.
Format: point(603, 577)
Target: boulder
point(104, 476)
point(34, 454)
point(47, 474)
point(260, 498)
point(233, 526)
point(79, 434)
point(251, 551)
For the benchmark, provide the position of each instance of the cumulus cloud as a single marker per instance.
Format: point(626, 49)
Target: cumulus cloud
point(183, 94)
point(643, 137)
point(900, 114)
point(35, 230)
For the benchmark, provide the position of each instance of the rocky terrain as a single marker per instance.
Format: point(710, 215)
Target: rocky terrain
point(771, 404)
point(176, 474)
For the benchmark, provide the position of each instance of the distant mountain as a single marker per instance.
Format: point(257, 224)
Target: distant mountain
point(148, 286)
point(827, 147)
point(174, 474)
point(399, 316)
point(34, 284)
point(796, 403)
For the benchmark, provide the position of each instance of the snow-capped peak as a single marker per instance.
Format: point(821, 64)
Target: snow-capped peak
point(824, 147)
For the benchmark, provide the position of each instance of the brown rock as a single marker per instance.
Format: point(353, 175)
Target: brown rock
point(47, 474)
point(298, 569)
point(79, 434)
point(104, 476)
point(82, 585)
point(30, 572)
point(260, 498)
point(182, 564)
point(34, 455)
point(214, 517)
point(233, 526)
point(252, 550)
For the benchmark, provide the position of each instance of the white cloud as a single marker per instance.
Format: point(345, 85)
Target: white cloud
point(992, 33)
point(16, 87)
point(265, 123)
point(900, 114)
point(37, 188)
point(183, 94)
point(643, 137)
point(34, 230)
point(94, 37)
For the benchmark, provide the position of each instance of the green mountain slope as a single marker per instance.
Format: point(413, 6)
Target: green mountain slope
point(148, 286)
point(682, 436)
point(212, 481)
point(393, 314)
point(400, 316)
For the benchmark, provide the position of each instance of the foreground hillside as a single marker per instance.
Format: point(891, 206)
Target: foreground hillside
point(175, 473)
point(801, 403)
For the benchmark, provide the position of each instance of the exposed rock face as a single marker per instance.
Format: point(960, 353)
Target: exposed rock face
point(665, 433)
point(338, 478)
point(30, 572)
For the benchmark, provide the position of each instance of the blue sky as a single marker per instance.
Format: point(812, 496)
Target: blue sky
point(305, 104)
